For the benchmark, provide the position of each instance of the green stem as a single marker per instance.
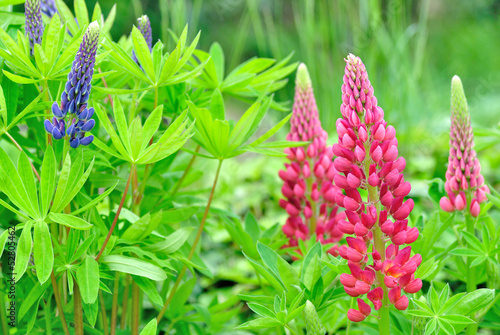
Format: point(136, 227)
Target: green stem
point(135, 308)
point(184, 174)
point(471, 275)
point(77, 299)
point(3, 316)
point(110, 232)
point(103, 313)
point(114, 305)
point(349, 321)
point(58, 303)
point(48, 322)
point(123, 320)
point(193, 247)
point(47, 99)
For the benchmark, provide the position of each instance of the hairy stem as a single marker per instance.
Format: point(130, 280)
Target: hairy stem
point(77, 299)
point(58, 303)
point(110, 98)
point(184, 174)
point(110, 232)
point(193, 247)
point(21, 149)
point(114, 305)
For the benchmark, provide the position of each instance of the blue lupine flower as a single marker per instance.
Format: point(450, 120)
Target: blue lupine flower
point(144, 26)
point(76, 95)
point(34, 24)
point(48, 7)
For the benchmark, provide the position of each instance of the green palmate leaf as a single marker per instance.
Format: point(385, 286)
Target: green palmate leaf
point(150, 328)
point(473, 241)
point(148, 287)
point(278, 265)
point(70, 221)
point(95, 201)
point(143, 54)
point(134, 267)
point(43, 254)
point(48, 181)
point(474, 301)
point(446, 327)
point(23, 251)
point(275, 281)
point(33, 296)
point(87, 276)
point(173, 241)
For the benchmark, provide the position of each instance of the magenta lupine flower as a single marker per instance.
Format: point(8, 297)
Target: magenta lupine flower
point(464, 182)
point(308, 178)
point(48, 7)
point(144, 26)
point(76, 94)
point(34, 24)
point(367, 158)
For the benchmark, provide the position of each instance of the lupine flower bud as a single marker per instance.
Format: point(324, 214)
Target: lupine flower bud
point(48, 7)
point(308, 179)
point(372, 164)
point(144, 26)
point(311, 318)
point(463, 177)
point(34, 24)
point(76, 94)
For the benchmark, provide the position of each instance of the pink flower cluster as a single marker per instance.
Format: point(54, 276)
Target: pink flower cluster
point(367, 160)
point(463, 177)
point(308, 179)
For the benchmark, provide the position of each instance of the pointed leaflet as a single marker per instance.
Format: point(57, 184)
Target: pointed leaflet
point(217, 105)
point(48, 180)
point(28, 179)
point(43, 254)
point(81, 12)
point(23, 250)
point(70, 221)
point(217, 55)
point(151, 125)
point(103, 118)
point(50, 42)
point(143, 54)
point(173, 241)
point(12, 186)
point(278, 265)
point(134, 266)
point(135, 134)
point(67, 17)
point(150, 328)
point(87, 276)
point(148, 287)
point(121, 124)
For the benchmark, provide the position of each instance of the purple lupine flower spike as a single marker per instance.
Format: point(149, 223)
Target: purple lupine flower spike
point(34, 24)
point(76, 94)
point(144, 26)
point(48, 7)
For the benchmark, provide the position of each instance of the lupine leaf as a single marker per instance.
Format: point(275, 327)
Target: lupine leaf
point(33, 296)
point(95, 201)
point(261, 310)
point(217, 105)
point(70, 221)
point(148, 287)
point(260, 323)
point(103, 117)
point(151, 125)
point(134, 267)
point(66, 15)
point(173, 241)
point(474, 301)
point(23, 250)
point(43, 254)
point(28, 179)
point(90, 311)
point(142, 52)
point(135, 134)
point(82, 248)
point(217, 55)
point(81, 12)
point(121, 124)
point(87, 276)
point(150, 328)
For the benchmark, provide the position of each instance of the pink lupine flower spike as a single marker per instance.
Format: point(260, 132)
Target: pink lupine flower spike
point(308, 178)
point(464, 183)
point(367, 159)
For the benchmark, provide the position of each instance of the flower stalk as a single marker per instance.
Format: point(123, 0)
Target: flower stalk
point(193, 247)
